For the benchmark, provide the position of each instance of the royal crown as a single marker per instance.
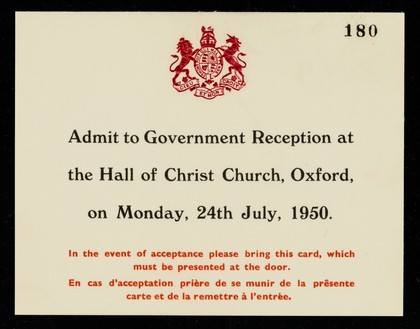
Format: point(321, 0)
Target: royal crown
point(207, 39)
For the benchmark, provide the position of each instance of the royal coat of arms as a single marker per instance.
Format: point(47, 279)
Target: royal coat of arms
point(208, 62)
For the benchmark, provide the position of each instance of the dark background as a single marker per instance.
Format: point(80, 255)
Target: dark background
point(411, 318)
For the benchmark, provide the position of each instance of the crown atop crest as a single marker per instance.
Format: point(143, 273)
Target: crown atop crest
point(207, 39)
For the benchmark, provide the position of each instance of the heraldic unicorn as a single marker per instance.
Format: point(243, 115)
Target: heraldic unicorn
point(208, 62)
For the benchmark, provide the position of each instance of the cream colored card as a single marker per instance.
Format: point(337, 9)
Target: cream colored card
point(209, 163)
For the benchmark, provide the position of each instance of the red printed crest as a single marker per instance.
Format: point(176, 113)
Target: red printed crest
point(208, 63)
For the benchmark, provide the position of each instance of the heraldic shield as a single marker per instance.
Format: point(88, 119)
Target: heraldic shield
point(208, 63)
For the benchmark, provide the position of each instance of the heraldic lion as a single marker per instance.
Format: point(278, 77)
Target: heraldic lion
point(185, 48)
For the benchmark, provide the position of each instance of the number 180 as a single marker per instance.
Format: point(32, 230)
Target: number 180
point(361, 30)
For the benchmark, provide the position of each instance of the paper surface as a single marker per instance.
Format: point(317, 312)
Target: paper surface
point(317, 112)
